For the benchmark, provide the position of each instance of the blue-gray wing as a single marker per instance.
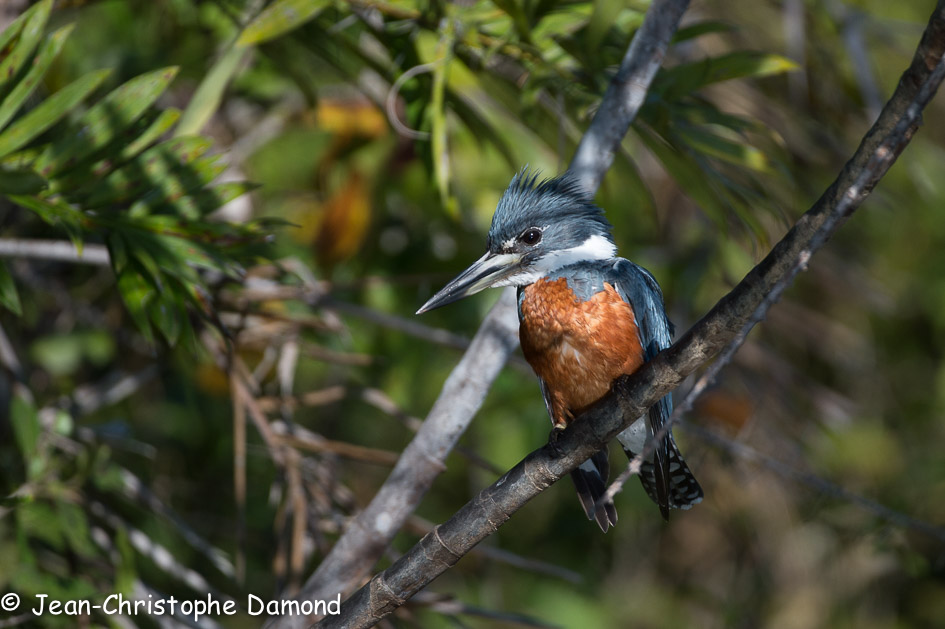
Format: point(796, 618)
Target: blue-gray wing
point(668, 480)
point(638, 288)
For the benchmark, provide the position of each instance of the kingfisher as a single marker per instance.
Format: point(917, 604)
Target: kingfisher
point(586, 317)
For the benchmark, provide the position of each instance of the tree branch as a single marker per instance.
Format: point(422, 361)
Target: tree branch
point(632, 395)
point(58, 250)
point(366, 537)
point(626, 93)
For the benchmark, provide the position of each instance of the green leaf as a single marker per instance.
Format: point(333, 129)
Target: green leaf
point(137, 293)
point(29, 37)
point(202, 202)
point(206, 100)
point(58, 354)
point(148, 129)
point(278, 18)
point(178, 184)
point(50, 50)
point(61, 354)
point(49, 112)
point(8, 35)
point(20, 181)
point(63, 423)
point(15, 501)
point(702, 113)
point(602, 20)
point(117, 251)
point(26, 428)
point(107, 119)
point(126, 571)
point(638, 194)
point(75, 526)
point(737, 153)
point(155, 130)
point(540, 121)
point(39, 520)
point(163, 245)
point(140, 246)
point(21, 158)
point(701, 28)
point(689, 77)
point(151, 168)
point(516, 11)
point(688, 175)
point(55, 212)
point(9, 298)
point(559, 25)
point(480, 128)
point(168, 313)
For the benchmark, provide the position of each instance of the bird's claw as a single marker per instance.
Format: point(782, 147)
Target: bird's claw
point(553, 439)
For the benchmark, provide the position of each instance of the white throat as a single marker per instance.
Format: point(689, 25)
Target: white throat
point(594, 248)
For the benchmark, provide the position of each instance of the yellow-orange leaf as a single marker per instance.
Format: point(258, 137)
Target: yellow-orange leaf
point(351, 117)
point(344, 222)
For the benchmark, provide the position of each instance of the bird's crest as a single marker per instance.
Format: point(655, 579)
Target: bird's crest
point(532, 201)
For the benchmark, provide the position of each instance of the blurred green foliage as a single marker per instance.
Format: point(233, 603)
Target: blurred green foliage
point(382, 135)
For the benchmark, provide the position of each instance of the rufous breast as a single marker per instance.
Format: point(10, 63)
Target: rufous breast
point(577, 347)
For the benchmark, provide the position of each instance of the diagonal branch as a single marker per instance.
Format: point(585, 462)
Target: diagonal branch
point(632, 395)
point(368, 534)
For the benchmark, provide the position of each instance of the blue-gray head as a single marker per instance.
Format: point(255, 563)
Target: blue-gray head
point(538, 228)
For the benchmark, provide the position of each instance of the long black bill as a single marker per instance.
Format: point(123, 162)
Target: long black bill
point(489, 270)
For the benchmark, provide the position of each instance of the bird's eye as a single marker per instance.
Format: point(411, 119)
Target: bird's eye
point(531, 236)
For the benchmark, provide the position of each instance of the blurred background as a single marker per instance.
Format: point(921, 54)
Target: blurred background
point(318, 169)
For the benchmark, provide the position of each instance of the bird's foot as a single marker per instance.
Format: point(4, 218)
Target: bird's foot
point(553, 439)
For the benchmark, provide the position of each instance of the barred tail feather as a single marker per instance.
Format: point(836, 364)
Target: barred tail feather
point(684, 489)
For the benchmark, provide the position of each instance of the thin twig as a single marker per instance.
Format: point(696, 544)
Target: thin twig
point(391, 102)
point(116, 387)
point(321, 397)
point(303, 439)
point(244, 396)
point(162, 557)
point(136, 490)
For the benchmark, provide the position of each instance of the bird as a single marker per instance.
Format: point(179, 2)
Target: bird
point(586, 317)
